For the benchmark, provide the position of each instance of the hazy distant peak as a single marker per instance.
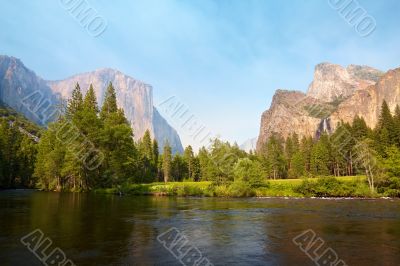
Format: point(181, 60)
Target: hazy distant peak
point(332, 81)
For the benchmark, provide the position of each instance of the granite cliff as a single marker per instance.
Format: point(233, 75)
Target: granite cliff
point(36, 98)
point(336, 94)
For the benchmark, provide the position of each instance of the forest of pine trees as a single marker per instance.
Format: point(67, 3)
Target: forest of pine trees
point(17, 150)
point(92, 146)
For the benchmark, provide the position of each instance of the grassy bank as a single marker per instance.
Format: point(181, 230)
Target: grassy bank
point(355, 186)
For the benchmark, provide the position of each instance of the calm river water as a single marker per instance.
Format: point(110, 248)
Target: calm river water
point(112, 230)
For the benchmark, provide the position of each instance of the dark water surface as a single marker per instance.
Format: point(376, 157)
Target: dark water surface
point(111, 230)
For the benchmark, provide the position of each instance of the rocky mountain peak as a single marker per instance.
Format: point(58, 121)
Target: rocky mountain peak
point(336, 94)
point(136, 97)
point(364, 73)
point(333, 82)
point(367, 103)
point(289, 110)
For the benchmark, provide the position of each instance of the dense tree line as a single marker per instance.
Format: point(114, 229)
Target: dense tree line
point(92, 147)
point(17, 150)
point(352, 149)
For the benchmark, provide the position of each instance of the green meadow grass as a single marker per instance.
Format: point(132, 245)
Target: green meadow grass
point(349, 186)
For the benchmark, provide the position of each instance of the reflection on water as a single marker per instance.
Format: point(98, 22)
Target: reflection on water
point(111, 230)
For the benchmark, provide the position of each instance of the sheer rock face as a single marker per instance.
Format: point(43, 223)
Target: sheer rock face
point(25, 92)
point(332, 82)
point(135, 97)
point(288, 113)
point(367, 103)
point(336, 94)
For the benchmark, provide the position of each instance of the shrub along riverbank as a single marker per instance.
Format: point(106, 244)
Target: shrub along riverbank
point(355, 186)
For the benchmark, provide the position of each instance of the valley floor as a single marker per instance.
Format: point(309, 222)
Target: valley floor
point(350, 186)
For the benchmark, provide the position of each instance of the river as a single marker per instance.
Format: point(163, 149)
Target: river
point(94, 229)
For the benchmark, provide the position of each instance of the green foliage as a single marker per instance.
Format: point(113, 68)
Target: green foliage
point(342, 143)
point(118, 148)
point(75, 103)
point(360, 129)
point(294, 157)
point(179, 170)
point(297, 166)
point(109, 103)
point(249, 172)
point(12, 117)
point(60, 160)
point(148, 159)
point(196, 170)
point(50, 159)
point(167, 162)
point(328, 186)
point(389, 183)
point(188, 158)
point(240, 189)
point(207, 168)
point(396, 125)
point(90, 101)
point(385, 131)
point(17, 150)
point(332, 187)
point(306, 148)
point(145, 146)
point(273, 158)
point(391, 163)
point(69, 147)
point(217, 163)
point(320, 157)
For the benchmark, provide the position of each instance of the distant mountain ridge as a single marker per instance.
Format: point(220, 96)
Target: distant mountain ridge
point(335, 94)
point(18, 83)
point(249, 145)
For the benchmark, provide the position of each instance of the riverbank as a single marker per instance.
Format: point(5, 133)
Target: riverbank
point(352, 186)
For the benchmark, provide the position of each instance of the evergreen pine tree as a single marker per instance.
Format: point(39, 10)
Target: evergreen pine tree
point(360, 129)
point(178, 168)
point(274, 158)
point(342, 153)
point(320, 157)
point(396, 119)
point(297, 168)
point(196, 171)
point(206, 165)
point(188, 157)
point(109, 103)
point(306, 149)
point(385, 130)
point(145, 146)
point(155, 152)
point(75, 103)
point(147, 167)
point(90, 101)
point(167, 162)
point(156, 169)
point(292, 146)
point(50, 157)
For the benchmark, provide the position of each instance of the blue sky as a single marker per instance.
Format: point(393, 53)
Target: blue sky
point(223, 59)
